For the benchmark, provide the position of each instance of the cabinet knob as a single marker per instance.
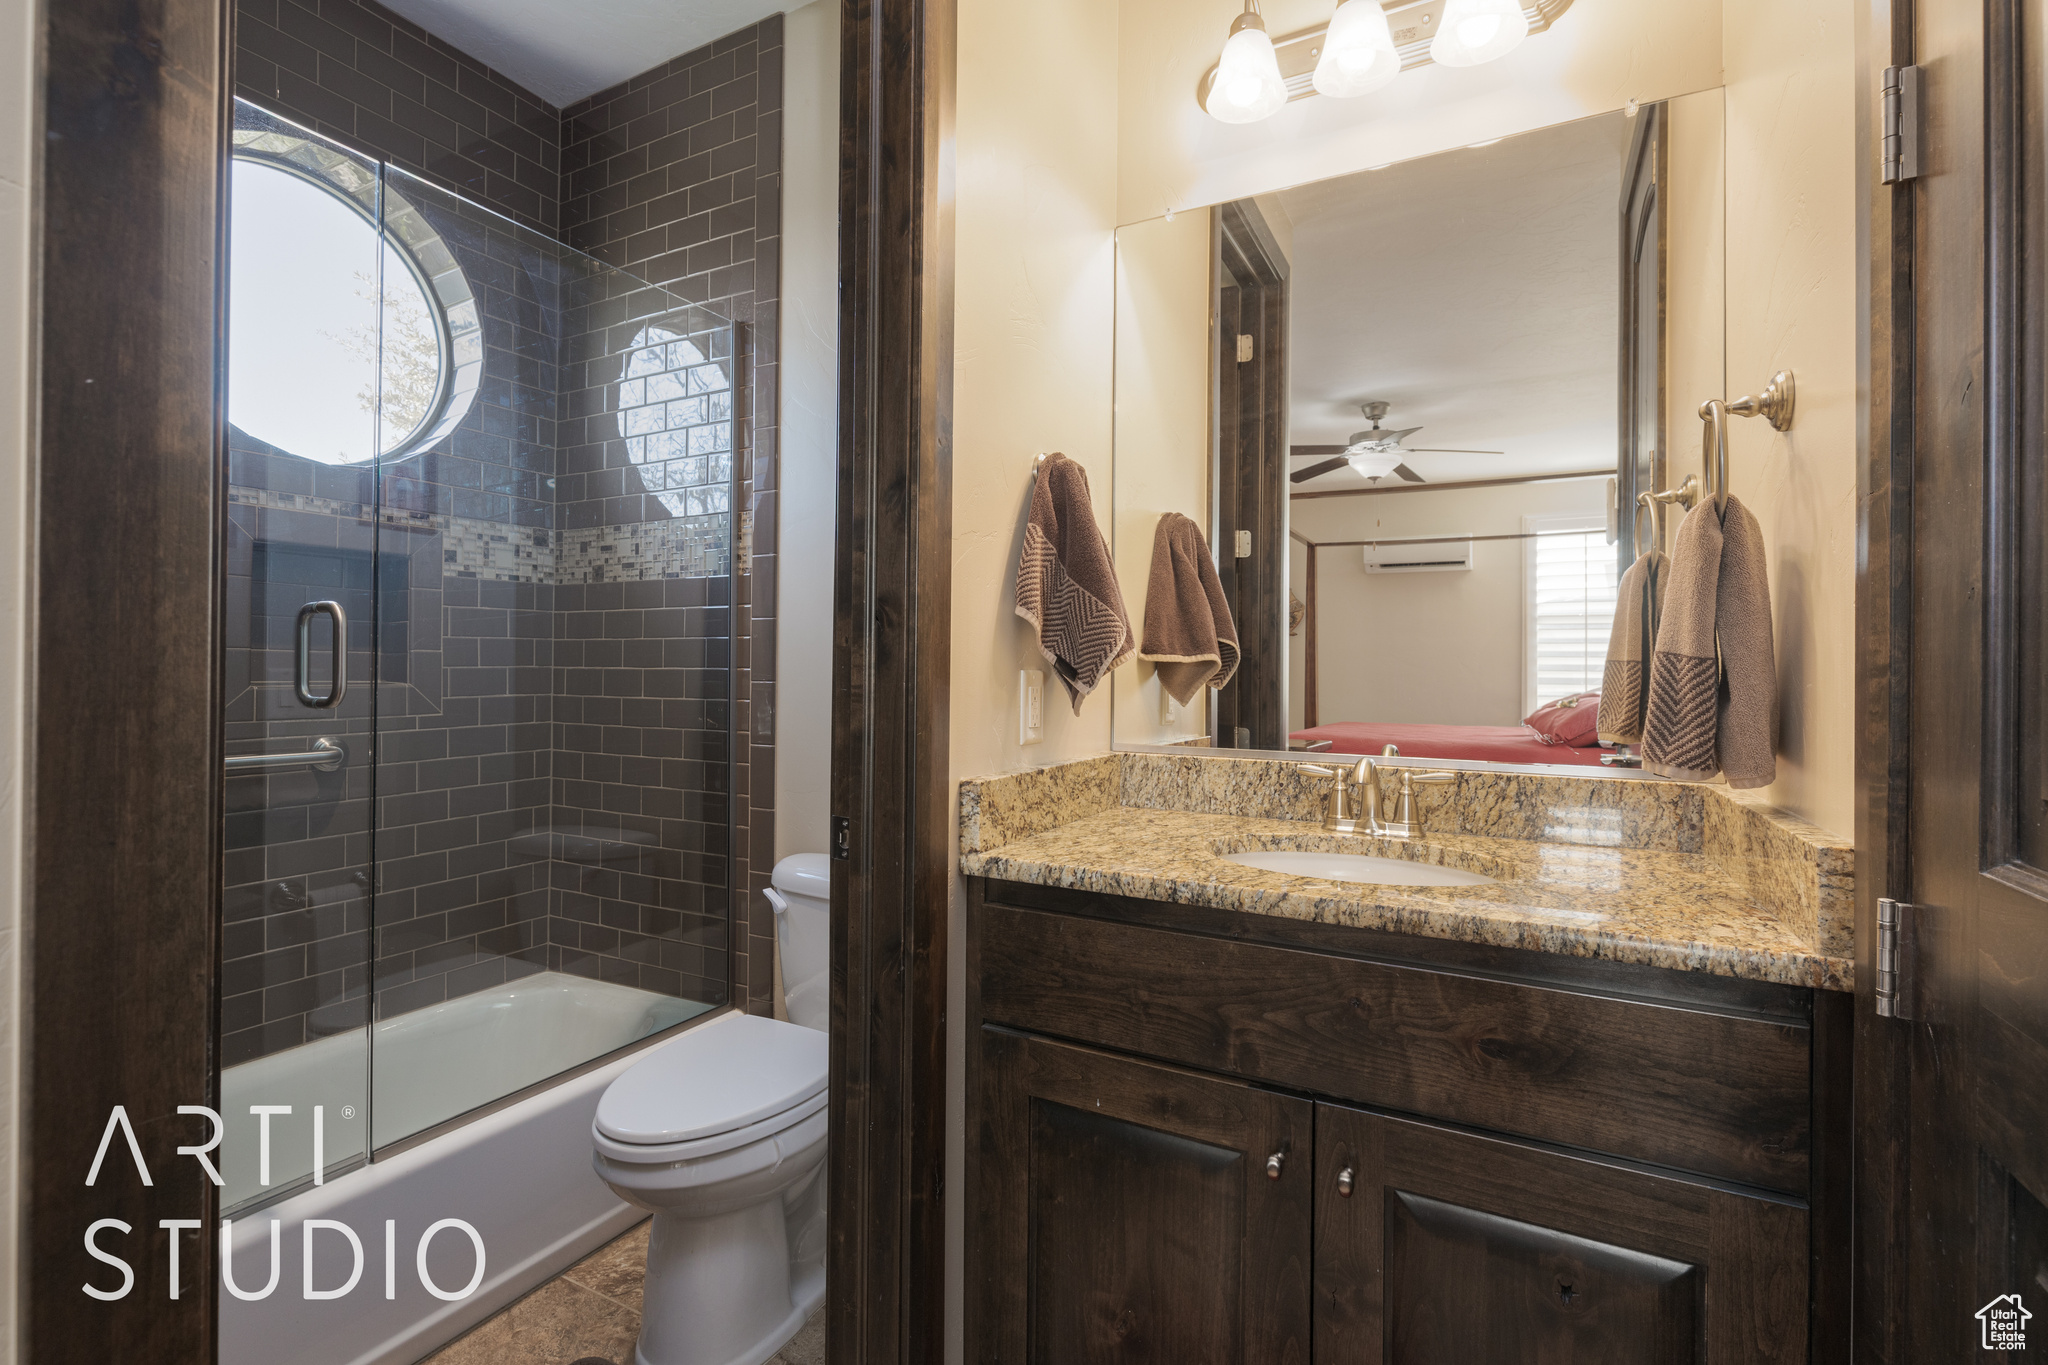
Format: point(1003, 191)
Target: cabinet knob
point(1345, 1182)
point(1273, 1165)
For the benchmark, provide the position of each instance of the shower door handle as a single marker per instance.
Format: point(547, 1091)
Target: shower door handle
point(302, 674)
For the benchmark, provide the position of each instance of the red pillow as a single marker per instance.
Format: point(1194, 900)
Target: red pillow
point(1572, 721)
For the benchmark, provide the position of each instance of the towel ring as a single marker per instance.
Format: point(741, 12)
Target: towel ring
point(1775, 406)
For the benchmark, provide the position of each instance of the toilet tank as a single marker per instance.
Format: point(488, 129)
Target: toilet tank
point(801, 892)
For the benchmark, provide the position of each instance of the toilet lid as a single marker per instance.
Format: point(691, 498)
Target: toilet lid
point(734, 1071)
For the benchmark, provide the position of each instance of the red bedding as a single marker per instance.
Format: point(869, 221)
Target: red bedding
point(1490, 743)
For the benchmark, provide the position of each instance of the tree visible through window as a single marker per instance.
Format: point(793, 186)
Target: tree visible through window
point(315, 366)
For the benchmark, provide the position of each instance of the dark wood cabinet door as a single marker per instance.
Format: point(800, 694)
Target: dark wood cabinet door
point(1436, 1247)
point(1126, 1212)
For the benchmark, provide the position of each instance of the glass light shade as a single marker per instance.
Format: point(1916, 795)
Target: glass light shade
point(1358, 51)
point(1247, 86)
point(1376, 464)
point(1475, 31)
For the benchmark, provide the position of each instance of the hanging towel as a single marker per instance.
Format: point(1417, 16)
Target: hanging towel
point(1714, 679)
point(1746, 732)
point(1624, 683)
point(1066, 584)
point(1189, 635)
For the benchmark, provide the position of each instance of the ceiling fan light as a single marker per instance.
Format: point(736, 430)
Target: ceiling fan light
point(1373, 464)
point(1358, 51)
point(1475, 31)
point(1247, 85)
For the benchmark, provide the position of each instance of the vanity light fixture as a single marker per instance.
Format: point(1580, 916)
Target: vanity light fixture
point(1246, 86)
point(1475, 31)
point(1357, 50)
point(1358, 55)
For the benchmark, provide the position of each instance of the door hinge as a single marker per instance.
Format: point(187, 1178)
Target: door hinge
point(1894, 995)
point(1243, 545)
point(1899, 138)
point(1244, 347)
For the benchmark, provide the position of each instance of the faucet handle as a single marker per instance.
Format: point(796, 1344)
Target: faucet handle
point(1409, 775)
point(1315, 770)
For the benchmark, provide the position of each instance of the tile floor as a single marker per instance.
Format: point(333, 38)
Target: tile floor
point(589, 1315)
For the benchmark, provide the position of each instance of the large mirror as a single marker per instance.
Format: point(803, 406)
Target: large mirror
point(1417, 413)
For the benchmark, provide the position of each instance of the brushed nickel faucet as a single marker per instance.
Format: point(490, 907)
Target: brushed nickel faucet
point(1340, 818)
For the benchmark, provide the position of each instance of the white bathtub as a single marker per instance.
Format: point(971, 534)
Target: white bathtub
point(520, 1176)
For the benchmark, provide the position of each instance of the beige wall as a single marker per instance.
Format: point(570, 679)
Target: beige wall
point(18, 116)
point(809, 428)
point(1035, 289)
point(1792, 279)
point(1163, 381)
point(1428, 648)
point(1695, 225)
point(1602, 54)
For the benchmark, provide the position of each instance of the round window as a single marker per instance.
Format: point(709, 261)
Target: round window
point(315, 366)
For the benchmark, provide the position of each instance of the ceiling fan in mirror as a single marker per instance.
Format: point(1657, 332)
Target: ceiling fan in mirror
point(1373, 453)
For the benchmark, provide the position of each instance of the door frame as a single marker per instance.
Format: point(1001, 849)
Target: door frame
point(1883, 750)
point(1250, 459)
point(891, 660)
point(124, 819)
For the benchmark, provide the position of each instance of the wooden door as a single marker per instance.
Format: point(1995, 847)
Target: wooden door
point(1251, 474)
point(1436, 1247)
point(1126, 1212)
point(1953, 1157)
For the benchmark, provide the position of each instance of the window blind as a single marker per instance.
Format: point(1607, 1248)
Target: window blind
point(1571, 613)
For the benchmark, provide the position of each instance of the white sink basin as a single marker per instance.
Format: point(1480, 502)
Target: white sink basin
point(1357, 867)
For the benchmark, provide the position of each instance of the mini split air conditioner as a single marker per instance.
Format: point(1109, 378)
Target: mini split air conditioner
point(1437, 556)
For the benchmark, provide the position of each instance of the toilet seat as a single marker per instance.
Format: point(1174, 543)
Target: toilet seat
point(671, 1153)
point(736, 1080)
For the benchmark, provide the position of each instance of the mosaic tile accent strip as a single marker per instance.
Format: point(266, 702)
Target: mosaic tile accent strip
point(682, 547)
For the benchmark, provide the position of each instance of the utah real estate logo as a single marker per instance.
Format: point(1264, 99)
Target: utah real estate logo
point(2005, 1323)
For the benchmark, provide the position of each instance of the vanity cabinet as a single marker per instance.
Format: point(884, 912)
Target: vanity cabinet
point(1198, 1135)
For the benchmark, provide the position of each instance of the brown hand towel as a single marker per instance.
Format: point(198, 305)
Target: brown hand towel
point(1746, 732)
point(1624, 683)
point(1714, 680)
point(1066, 584)
point(1189, 635)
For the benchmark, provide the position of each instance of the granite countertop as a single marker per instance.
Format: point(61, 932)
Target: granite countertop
point(1663, 909)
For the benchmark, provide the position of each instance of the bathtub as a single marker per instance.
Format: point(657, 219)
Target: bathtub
point(521, 1176)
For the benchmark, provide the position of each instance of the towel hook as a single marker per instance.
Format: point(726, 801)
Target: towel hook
point(1775, 406)
point(1037, 464)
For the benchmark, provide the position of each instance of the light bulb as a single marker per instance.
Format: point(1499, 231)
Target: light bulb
point(1358, 51)
point(1247, 85)
point(1475, 31)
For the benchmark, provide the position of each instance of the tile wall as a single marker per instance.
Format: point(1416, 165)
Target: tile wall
point(557, 618)
point(676, 176)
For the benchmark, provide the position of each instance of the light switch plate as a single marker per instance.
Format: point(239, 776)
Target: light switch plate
point(1030, 706)
point(1166, 707)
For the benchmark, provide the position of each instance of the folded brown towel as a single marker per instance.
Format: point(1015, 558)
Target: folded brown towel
point(1066, 584)
point(1638, 607)
point(1714, 679)
point(1189, 635)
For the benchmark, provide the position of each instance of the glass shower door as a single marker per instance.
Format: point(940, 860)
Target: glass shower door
point(554, 725)
point(480, 668)
point(301, 573)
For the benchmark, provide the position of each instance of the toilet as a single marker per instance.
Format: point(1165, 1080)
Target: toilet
point(801, 893)
point(720, 1133)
